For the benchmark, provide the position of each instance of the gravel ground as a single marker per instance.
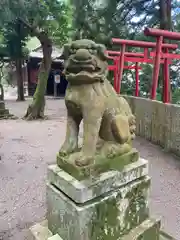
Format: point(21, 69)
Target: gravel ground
point(28, 147)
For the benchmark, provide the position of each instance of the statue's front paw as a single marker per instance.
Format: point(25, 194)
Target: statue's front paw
point(84, 161)
point(80, 159)
point(64, 151)
point(67, 149)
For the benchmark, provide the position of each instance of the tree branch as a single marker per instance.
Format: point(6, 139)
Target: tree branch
point(42, 36)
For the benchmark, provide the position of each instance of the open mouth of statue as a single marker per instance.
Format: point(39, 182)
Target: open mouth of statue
point(80, 68)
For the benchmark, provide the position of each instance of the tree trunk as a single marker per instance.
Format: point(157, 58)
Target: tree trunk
point(165, 24)
point(163, 14)
point(1, 85)
point(20, 80)
point(169, 14)
point(36, 109)
point(19, 70)
point(2, 92)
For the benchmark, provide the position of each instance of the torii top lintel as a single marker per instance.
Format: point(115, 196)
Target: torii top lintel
point(142, 44)
point(164, 33)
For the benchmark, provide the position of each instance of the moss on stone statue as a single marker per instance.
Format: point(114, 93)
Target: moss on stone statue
point(104, 221)
point(112, 221)
point(100, 164)
point(108, 216)
point(91, 98)
point(147, 230)
point(4, 113)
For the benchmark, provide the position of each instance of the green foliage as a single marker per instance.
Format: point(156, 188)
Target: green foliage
point(128, 83)
point(14, 40)
point(100, 20)
point(176, 96)
point(51, 17)
point(145, 79)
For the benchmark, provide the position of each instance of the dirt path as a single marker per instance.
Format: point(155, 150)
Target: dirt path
point(28, 147)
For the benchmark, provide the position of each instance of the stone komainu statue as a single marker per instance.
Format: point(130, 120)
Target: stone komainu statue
point(108, 123)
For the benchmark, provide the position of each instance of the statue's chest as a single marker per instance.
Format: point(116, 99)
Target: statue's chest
point(80, 95)
point(73, 108)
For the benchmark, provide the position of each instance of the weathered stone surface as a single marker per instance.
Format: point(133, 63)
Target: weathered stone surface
point(85, 190)
point(106, 116)
point(165, 236)
point(40, 231)
point(167, 143)
point(157, 122)
point(55, 237)
point(174, 142)
point(4, 113)
point(100, 164)
point(162, 235)
point(109, 216)
point(147, 230)
point(2, 105)
point(147, 118)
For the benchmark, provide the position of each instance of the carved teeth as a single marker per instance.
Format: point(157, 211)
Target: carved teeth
point(77, 69)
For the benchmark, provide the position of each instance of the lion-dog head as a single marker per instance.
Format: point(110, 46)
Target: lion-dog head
point(85, 62)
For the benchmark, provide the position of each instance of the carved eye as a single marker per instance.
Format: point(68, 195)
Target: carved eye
point(73, 50)
point(93, 51)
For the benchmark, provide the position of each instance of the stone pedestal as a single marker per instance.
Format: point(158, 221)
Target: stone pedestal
point(4, 113)
point(112, 206)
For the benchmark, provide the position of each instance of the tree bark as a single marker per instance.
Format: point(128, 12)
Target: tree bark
point(169, 14)
point(163, 14)
point(2, 92)
point(20, 80)
point(36, 109)
point(19, 70)
point(1, 85)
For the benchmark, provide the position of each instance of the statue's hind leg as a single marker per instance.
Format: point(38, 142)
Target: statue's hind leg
point(113, 149)
point(120, 129)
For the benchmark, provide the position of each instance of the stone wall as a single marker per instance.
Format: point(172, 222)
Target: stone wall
point(157, 122)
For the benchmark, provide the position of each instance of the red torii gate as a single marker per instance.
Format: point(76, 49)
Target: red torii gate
point(143, 57)
point(160, 35)
point(115, 67)
point(129, 57)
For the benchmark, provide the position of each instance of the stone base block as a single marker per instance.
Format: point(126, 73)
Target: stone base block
point(147, 230)
point(40, 231)
point(108, 205)
point(4, 113)
point(86, 190)
point(100, 164)
point(8, 116)
point(110, 216)
point(55, 237)
point(165, 236)
point(2, 105)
